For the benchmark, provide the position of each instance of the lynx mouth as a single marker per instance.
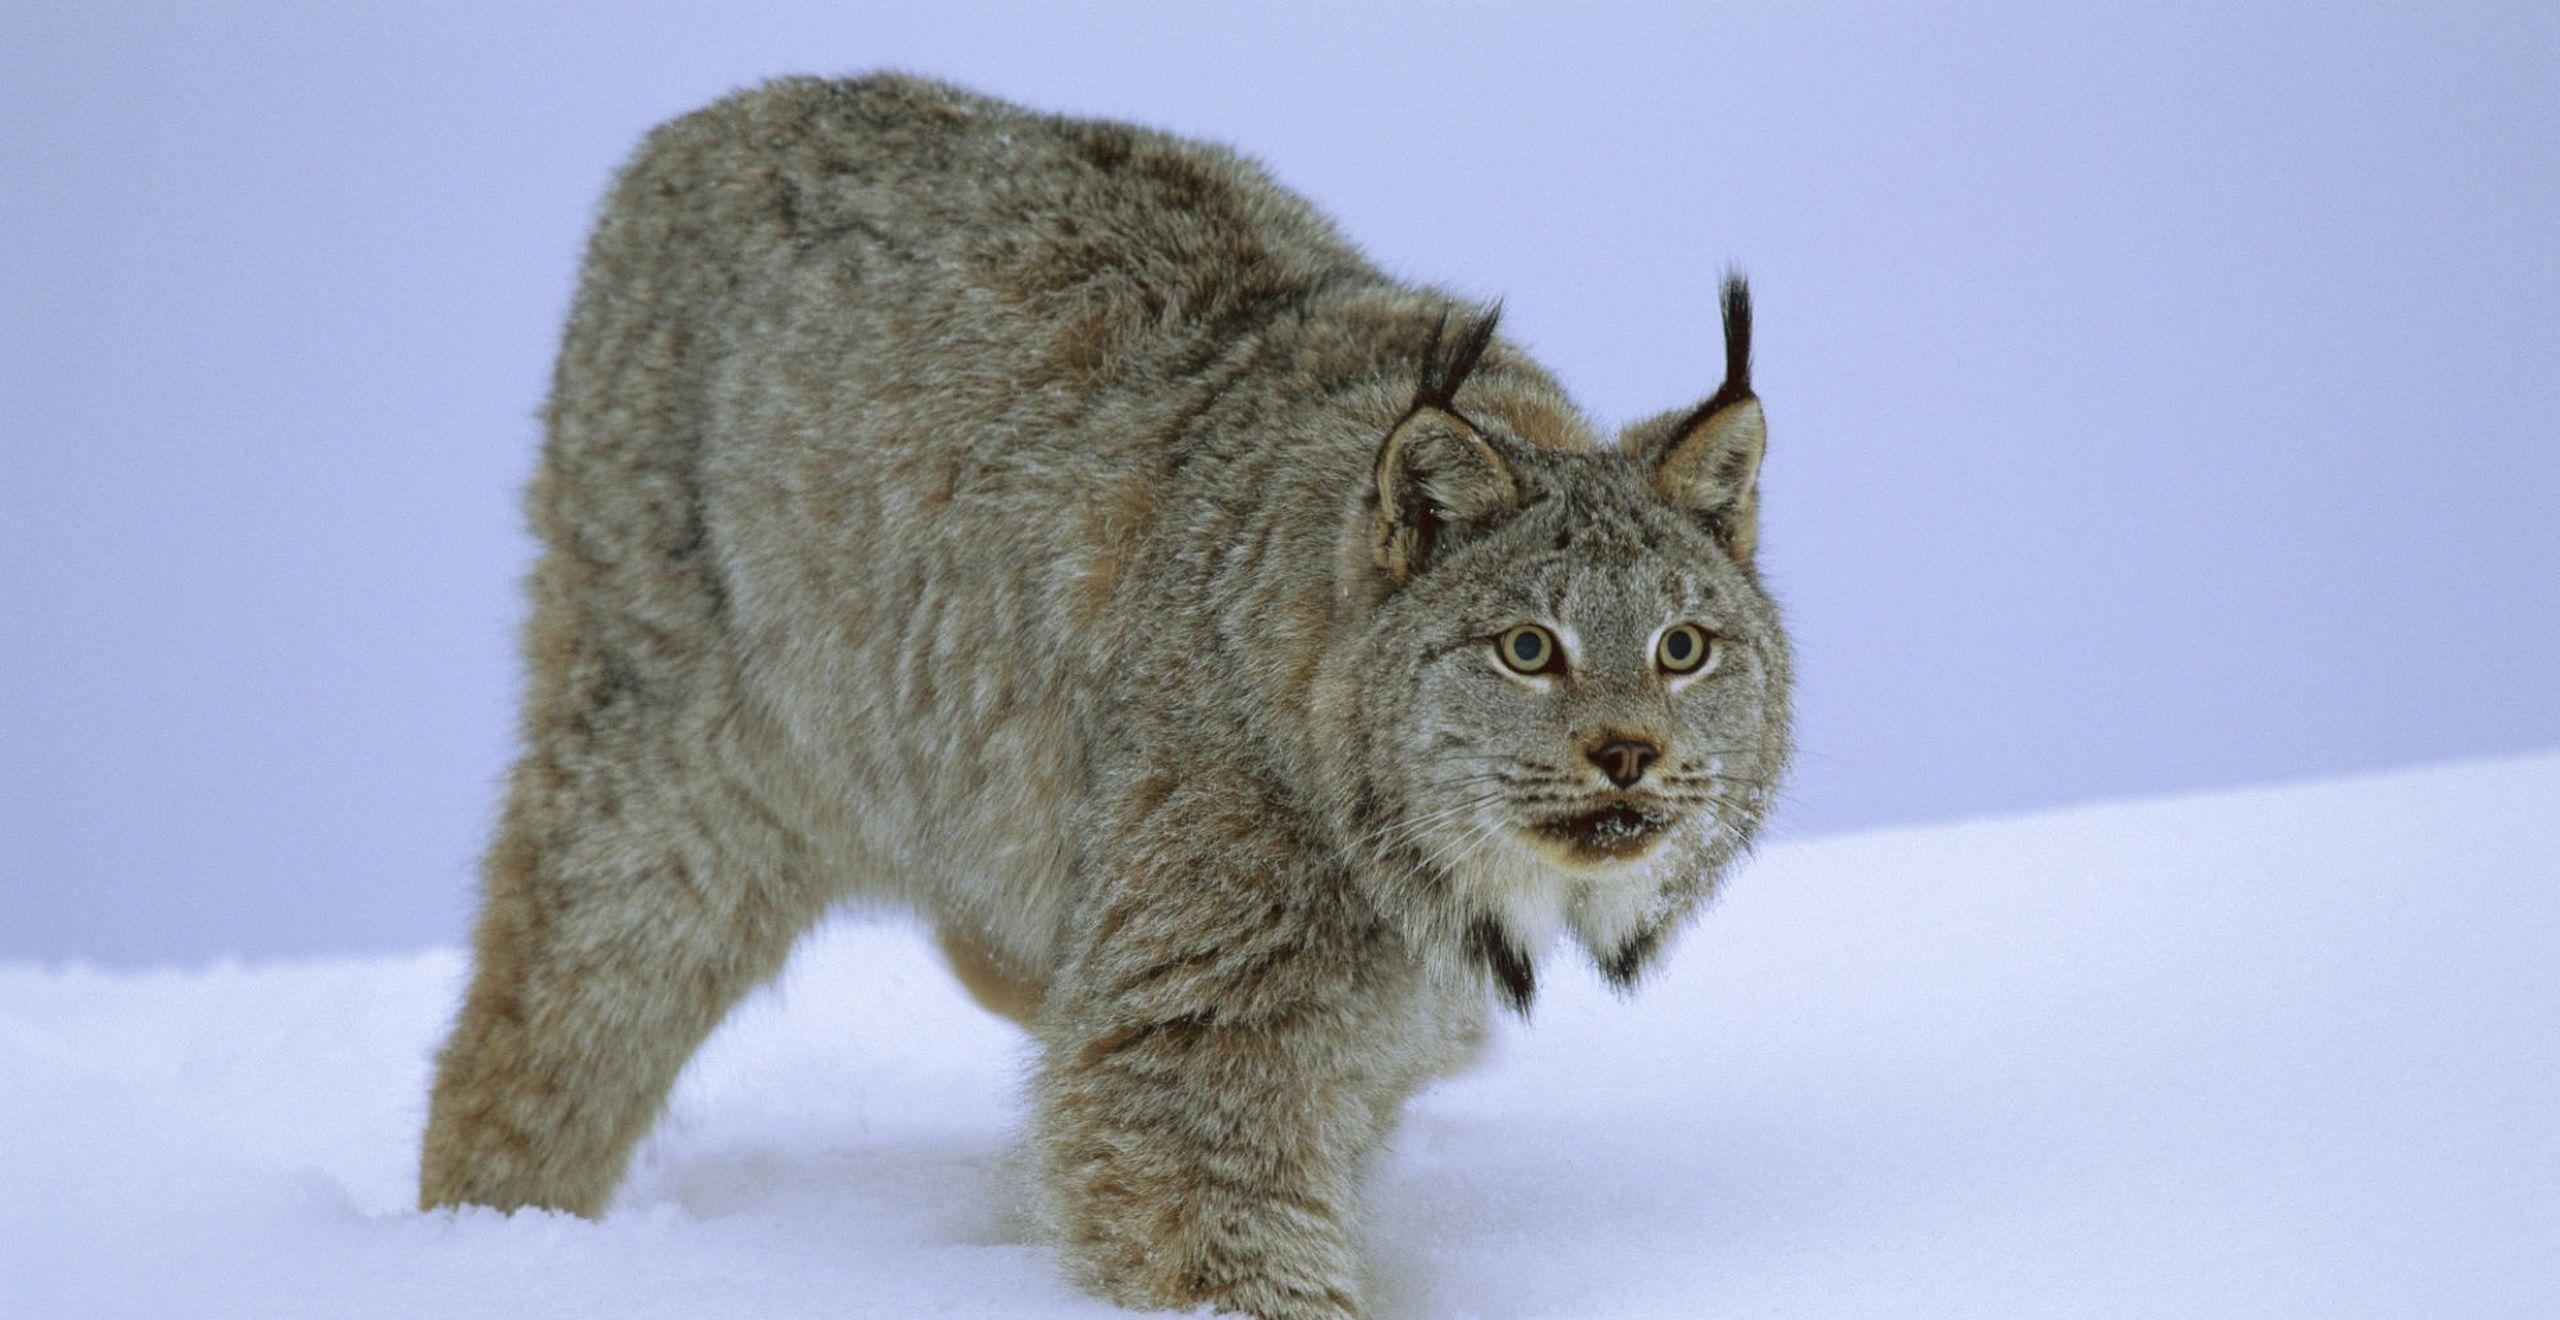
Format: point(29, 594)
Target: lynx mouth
point(1611, 833)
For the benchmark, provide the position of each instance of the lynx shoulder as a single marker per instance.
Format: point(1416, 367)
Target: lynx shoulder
point(1251, 664)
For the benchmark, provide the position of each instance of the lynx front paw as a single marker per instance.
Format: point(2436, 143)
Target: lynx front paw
point(1171, 1197)
point(1191, 1261)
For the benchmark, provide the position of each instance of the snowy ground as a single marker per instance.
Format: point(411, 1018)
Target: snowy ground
point(2293, 1052)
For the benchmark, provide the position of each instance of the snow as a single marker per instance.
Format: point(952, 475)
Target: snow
point(2286, 1052)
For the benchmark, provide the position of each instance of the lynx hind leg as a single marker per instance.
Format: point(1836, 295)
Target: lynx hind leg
point(636, 891)
point(604, 955)
point(639, 885)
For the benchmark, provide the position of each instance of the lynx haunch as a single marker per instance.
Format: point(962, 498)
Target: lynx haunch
point(1249, 663)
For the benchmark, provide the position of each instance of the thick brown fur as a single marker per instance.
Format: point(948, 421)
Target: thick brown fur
point(1058, 528)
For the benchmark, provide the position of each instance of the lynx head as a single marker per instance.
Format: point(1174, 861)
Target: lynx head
point(1575, 694)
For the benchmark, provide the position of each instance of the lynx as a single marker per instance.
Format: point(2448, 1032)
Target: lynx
point(1250, 664)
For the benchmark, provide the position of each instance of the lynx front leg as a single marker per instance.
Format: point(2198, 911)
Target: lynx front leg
point(600, 963)
point(1225, 1052)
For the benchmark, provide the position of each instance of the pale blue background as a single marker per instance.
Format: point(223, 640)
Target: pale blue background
point(2163, 397)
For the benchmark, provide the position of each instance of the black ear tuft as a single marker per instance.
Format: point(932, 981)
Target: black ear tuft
point(1446, 363)
point(1708, 463)
point(1437, 473)
point(1736, 300)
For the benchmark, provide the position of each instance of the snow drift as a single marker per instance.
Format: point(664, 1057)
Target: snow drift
point(2290, 1052)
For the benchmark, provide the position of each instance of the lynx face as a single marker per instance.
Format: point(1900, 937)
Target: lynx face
point(1593, 710)
point(1579, 700)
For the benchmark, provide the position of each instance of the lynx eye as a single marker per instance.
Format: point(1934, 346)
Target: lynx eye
point(1683, 649)
point(1528, 649)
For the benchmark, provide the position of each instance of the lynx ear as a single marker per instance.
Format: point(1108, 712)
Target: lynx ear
point(1709, 461)
point(1437, 474)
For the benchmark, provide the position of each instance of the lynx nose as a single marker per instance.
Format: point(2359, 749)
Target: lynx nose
point(1623, 759)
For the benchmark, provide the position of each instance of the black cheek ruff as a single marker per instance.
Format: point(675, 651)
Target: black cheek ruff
point(1512, 975)
point(1623, 968)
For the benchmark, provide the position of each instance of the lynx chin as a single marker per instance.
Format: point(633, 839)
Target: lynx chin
point(1250, 664)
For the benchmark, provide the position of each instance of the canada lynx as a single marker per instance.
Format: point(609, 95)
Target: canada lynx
point(1248, 662)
